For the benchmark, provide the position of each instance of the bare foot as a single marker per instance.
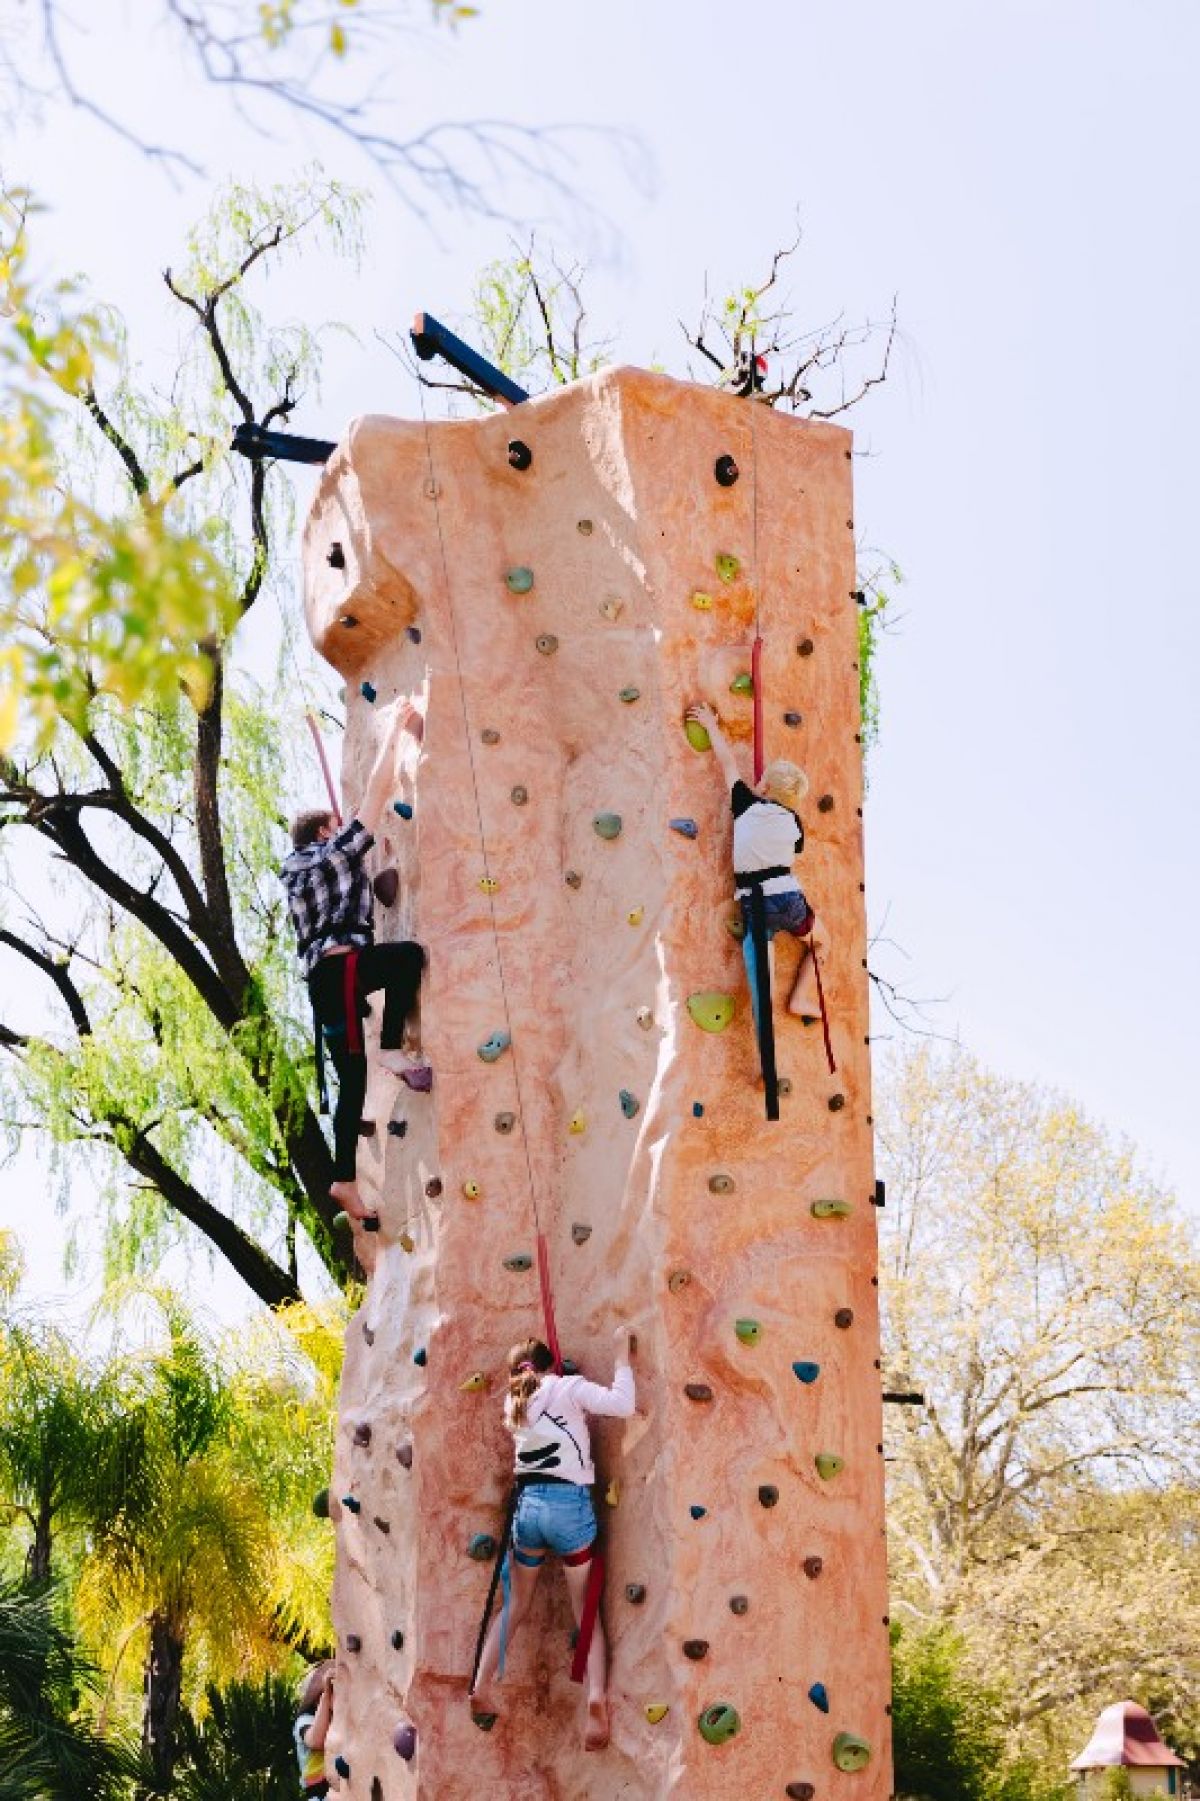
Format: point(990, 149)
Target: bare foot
point(413, 1072)
point(350, 1201)
point(596, 1736)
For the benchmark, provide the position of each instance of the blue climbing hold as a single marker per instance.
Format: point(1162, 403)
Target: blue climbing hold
point(697, 1512)
point(629, 1103)
point(414, 633)
point(352, 1504)
point(806, 1372)
point(420, 1357)
point(402, 807)
point(342, 1768)
point(482, 1547)
point(494, 1047)
point(697, 1109)
point(687, 828)
point(367, 691)
point(818, 1696)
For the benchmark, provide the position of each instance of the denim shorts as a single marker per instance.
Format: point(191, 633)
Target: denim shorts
point(554, 1516)
point(784, 912)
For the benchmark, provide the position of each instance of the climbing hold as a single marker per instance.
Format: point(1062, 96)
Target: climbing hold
point(397, 1640)
point(804, 647)
point(335, 556)
point(573, 879)
point(629, 1103)
point(397, 1128)
point(342, 1768)
point(656, 1711)
point(825, 804)
point(818, 1696)
point(748, 1330)
point(366, 1128)
point(474, 1384)
point(433, 1187)
point(519, 580)
point(836, 1102)
point(629, 695)
point(404, 1455)
point(807, 1372)
point(577, 1123)
point(813, 1567)
point(726, 471)
point(697, 1391)
point(362, 1433)
point(352, 1504)
point(719, 1723)
point(414, 633)
point(728, 567)
point(800, 1791)
point(850, 1753)
point(793, 719)
point(353, 1642)
point(340, 1220)
point(829, 1465)
point(739, 1604)
point(695, 1648)
point(367, 1333)
point(581, 1233)
point(612, 1493)
point(420, 1357)
point(585, 526)
point(768, 1494)
point(490, 735)
point(519, 455)
point(721, 1183)
point(570, 1367)
point(687, 828)
point(402, 807)
point(645, 1017)
point(701, 601)
point(636, 915)
point(843, 1318)
point(519, 1262)
point(697, 1109)
point(742, 684)
point(546, 643)
point(320, 1505)
point(471, 1189)
point(879, 1198)
point(518, 796)
point(504, 1122)
point(404, 1740)
point(387, 887)
point(484, 1721)
point(488, 884)
point(697, 1512)
point(612, 608)
point(494, 1047)
point(635, 1593)
point(407, 1243)
point(712, 1011)
point(606, 825)
point(696, 735)
point(678, 1278)
point(349, 621)
point(831, 1209)
point(482, 1547)
point(368, 691)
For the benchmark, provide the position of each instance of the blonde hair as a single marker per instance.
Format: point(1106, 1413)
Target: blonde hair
point(784, 782)
point(315, 1684)
point(527, 1364)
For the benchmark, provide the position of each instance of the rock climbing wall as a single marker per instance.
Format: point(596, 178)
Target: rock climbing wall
point(565, 856)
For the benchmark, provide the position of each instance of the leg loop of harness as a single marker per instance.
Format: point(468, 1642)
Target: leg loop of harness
point(498, 1574)
point(591, 1608)
point(762, 982)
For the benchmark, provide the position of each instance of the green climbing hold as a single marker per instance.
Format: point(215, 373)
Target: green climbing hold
point(711, 1011)
point(482, 1547)
point(829, 1465)
point(494, 1047)
point(850, 1753)
point(629, 695)
point(340, 1220)
point(831, 1209)
point(519, 1262)
point(742, 684)
point(320, 1504)
point(696, 735)
point(607, 825)
point(728, 566)
point(719, 1723)
point(629, 1103)
point(420, 1357)
point(519, 580)
point(748, 1330)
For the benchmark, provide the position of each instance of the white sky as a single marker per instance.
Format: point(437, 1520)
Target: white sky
point(1025, 177)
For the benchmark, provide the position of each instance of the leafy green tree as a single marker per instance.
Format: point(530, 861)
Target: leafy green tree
point(240, 1745)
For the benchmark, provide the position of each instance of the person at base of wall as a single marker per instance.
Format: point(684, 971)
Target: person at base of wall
point(312, 1729)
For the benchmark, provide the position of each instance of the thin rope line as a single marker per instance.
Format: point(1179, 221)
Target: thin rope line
point(752, 403)
point(462, 700)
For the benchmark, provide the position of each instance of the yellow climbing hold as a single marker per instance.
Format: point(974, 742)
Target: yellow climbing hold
point(636, 915)
point(656, 1711)
point(406, 1243)
point(831, 1209)
point(712, 1011)
point(488, 884)
point(612, 1493)
point(701, 601)
point(578, 1123)
point(471, 1190)
point(696, 735)
point(475, 1383)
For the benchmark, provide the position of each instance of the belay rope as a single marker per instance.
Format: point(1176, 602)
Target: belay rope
point(501, 1573)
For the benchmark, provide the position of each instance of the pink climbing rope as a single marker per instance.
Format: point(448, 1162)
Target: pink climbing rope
point(324, 761)
point(756, 678)
point(543, 1259)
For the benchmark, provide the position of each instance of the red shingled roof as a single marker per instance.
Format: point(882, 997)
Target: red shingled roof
point(1125, 1734)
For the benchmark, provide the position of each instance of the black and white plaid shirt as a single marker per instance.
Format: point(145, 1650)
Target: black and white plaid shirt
point(329, 893)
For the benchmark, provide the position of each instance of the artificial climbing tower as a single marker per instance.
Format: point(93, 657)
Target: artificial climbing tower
point(552, 586)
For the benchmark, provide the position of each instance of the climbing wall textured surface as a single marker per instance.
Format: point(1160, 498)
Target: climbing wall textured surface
point(584, 600)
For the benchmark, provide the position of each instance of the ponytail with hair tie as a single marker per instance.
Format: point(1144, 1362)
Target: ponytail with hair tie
point(527, 1364)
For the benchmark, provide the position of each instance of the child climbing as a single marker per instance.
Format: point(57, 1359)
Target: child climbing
point(547, 1415)
point(312, 1729)
point(330, 901)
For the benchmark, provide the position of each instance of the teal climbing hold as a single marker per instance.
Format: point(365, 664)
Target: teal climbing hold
point(420, 1357)
point(719, 1723)
point(697, 1512)
point(352, 1504)
point(494, 1047)
point(519, 580)
point(711, 1010)
point(629, 1103)
point(850, 1753)
point(819, 1697)
point(367, 690)
point(482, 1547)
point(402, 807)
point(519, 1262)
point(806, 1372)
point(748, 1330)
point(728, 566)
point(687, 828)
point(697, 1109)
point(829, 1465)
point(607, 825)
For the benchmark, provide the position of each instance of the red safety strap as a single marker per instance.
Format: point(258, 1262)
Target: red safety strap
point(324, 761)
point(587, 1620)
point(543, 1257)
point(354, 1038)
point(756, 679)
point(812, 951)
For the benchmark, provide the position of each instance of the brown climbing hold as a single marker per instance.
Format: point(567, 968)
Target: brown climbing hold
point(793, 719)
point(843, 1318)
point(836, 1102)
point(768, 1494)
point(573, 879)
point(695, 1648)
point(404, 1456)
point(362, 1433)
point(353, 1642)
point(678, 1278)
point(368, 1333)
point(804, 647)
point(800, 1791)
point(581, 1233)
point(518, 795)
point(387, 887)
point(739, 1604)
point(697, 1391)
point(383, 1526)
point(635, 1593)
point(784, 1085)
point(366, 1128)
point(433, 1187)
point(504, 1122)
point(813, 1567)
point(585, 526)
point(489, 735)
point(825, 804)
point(721, 1183)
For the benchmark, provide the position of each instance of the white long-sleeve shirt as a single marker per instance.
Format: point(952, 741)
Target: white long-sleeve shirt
point(554, 1441)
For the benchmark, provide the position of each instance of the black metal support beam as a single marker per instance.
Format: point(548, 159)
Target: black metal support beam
point(431, 338)
point(282, 446)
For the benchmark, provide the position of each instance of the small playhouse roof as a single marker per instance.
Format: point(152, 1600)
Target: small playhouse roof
point(1125, 1735)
